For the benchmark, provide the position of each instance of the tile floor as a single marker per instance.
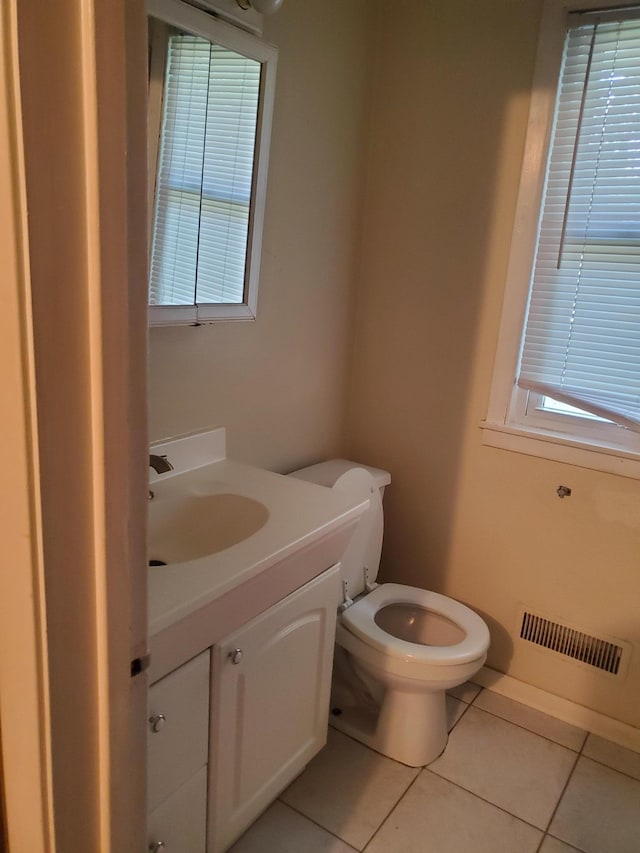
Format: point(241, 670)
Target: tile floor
point(511, 780)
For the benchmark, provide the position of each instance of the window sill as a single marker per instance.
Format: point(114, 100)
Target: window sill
point(561, 449)
point(192, 315)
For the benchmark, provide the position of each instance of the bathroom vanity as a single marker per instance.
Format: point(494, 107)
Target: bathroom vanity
point(242, 624)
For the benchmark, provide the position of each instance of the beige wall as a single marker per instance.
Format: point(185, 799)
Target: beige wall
point(279, 384)
point(481, 524)
point(443, 151)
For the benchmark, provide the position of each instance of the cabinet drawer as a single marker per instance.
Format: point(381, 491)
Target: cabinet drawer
point(180, 822)
point(179, 747)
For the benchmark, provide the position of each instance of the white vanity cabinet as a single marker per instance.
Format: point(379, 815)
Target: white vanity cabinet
point(270, 704)
point(232, 727)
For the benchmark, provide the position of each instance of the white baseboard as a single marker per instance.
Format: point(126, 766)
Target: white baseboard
point(563, 709)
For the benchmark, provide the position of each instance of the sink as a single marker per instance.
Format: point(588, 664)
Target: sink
point(187, 527)
point(227, 540)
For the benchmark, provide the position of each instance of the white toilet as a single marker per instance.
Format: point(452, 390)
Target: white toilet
point(398, 648)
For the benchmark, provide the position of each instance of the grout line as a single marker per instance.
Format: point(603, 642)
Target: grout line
point(609, 767)
point(482, 689)
point(404, 793)
point(484, 800)
point(370, 748)
point(449, 731)
point(539, 847)
point(315, 822)
point(375, 752)
point(466, 702)
point(566, 785)
point(531, 731)
point(566, 843)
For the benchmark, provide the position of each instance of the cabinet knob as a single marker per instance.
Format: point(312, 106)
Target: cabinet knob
point(156, 846)
point(157, 723)
point(235, 655)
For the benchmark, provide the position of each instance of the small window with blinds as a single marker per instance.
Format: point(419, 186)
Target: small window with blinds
point(577, 366)
point(210, 97)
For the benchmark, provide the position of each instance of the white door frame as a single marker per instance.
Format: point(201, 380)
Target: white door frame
point(24, 705)
point(73, 495)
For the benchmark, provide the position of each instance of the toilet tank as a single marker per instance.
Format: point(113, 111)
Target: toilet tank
point(361, 560)
point(326, 473)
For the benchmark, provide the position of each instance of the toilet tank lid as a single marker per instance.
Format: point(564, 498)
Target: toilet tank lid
point(326, 473)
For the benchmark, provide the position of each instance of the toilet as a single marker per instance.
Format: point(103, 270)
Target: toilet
point(398, 648)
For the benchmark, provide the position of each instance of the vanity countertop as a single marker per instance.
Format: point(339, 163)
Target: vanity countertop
point(298, 515)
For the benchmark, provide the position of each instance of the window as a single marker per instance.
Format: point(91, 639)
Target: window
point(572, 377)
point(210, 97)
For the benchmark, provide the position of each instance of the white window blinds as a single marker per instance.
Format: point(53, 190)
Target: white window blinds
point(205, 170)
point(582, 335)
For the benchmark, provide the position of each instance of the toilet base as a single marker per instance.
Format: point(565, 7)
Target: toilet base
point(397, 734)
point(390, 726)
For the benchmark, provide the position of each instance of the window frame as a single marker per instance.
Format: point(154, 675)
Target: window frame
point(513, 420)
point(185, 17)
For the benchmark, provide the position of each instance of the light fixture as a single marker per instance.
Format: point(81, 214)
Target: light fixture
point(264, 7)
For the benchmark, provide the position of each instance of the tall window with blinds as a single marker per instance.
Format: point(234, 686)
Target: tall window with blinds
point(210, 102)
point(566, 378)
point(582, 334)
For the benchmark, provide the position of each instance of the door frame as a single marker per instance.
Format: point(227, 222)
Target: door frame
point(24, 699)
point(72, 95)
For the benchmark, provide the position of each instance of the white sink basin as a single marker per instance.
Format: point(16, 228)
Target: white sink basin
point(186, 527)
point(227, 539)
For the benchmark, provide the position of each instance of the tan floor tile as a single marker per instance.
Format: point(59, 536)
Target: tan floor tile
point(467, 692)
point(435, 816)
point(507, 765)
point(349, 789)
point(282, 830)
point(600, 810)
point(625, 760)
point(552, 845)
point(522, 715)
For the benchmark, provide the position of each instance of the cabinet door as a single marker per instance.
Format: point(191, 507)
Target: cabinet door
point(270, 704)
point(178, 825)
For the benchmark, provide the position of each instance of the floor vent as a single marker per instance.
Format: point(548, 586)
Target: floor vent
point(596, 652)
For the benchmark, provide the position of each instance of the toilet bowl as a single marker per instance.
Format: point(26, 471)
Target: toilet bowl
point(398, 648)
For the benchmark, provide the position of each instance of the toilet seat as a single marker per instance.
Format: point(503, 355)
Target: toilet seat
point(359, 620)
